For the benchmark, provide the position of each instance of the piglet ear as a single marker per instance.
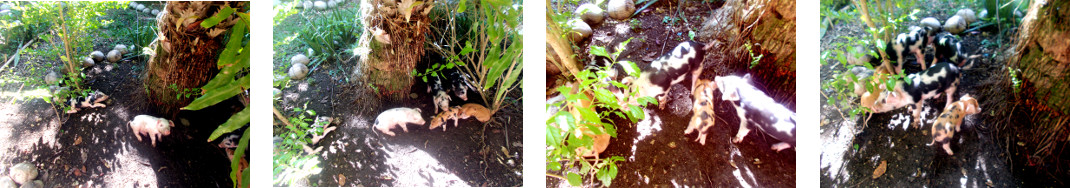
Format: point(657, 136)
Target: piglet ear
point(172, 123)
point(734, 96)
point(746, 77)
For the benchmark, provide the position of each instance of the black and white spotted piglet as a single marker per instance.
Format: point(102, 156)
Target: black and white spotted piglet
point(93, 100)
point(682, 65)
point(942, 77)
point(449, 81)
point(949, 48)
point(755, 106)
point(911, 42)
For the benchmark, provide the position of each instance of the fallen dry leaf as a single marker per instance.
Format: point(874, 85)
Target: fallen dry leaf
point(880, 170)
point(341, 180)
point(78, 140)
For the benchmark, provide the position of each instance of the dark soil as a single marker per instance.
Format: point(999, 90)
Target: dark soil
point(468, 155)
point(95, 147)
point(853, 148)
point(658, 153)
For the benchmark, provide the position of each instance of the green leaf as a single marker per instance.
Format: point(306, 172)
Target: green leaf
point(632, 70)
point(588, 114)
point(605, 96)
point(461, 6)
point(554, 166)
point(211, 97)
point(235, 122)
point(234, 44)
point(621, 47)
point(599, 51)
point(573, 179)
point(635, 113)
point(235, 163)
point(223, 13)
point(467, 48)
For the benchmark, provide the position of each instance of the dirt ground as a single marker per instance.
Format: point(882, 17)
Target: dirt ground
point(472, 154)
point(95, 147)
point(853, 148)
point(656, 151)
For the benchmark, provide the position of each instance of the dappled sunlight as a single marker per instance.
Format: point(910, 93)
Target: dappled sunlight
point(93, 115)
point(358, 122)
point(743, 172)
point(412, 167)
point(287, 40)
point(302, 86)
point(23, 139)
point(26, 93)
point(128, 169)
point(835, 149)
point(645, 128)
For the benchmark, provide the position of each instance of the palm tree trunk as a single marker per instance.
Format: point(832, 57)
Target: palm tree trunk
point(186, 53)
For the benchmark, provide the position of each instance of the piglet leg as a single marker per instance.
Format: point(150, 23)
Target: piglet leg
point(137, 133)
point(950, 91)
point(917, 113)
point(702, 133)
point(404, 126)
point(947, 147)
point(921, 58)
point(153, 137)
point(742, 126)
point(701, 138)
point(781, 146)
point(385, 130)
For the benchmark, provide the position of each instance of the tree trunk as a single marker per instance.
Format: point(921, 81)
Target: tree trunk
point(769, 27)
point(1043, 53)
point(186, 53)
point(389, 67)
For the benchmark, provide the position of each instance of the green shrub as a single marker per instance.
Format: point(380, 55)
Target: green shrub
point(291, 163)
point(561, 126)
point(488, 50)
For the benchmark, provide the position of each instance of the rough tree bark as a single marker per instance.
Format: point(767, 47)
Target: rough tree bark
point(1043, 52)
point(186, 53)
point(388, 67)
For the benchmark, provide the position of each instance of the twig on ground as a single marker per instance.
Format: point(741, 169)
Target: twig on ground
point(281, 117)
point(14, 97)
point(16, 54)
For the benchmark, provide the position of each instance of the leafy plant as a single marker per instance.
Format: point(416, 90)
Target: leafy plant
point(1014, 79)
point(66, 23)
point(883, 19)
point(67, 26)
point(290, 162)
point(185, 92)
point(753, 59)
point(492, 48)
point(562, 126)
point(232, 79)
point(330, 33)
